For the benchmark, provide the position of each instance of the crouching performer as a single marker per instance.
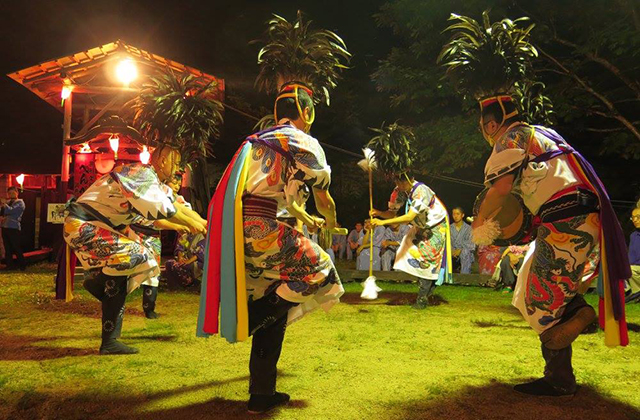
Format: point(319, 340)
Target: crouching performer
point(98, 230)
point(539, 186)
point(573, 220)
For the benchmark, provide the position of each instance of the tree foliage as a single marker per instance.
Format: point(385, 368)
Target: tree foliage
point(179, 111)
point(489, 59)
point(593, 83)
point(393, 148)
point(295, 52)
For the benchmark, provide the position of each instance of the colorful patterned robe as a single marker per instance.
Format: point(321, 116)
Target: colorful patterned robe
point(104, 240)
point(422, 250)
point(561, 258)
point(278, 257)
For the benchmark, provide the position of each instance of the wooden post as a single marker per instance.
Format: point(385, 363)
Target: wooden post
point(66, 134)
point(371, 228)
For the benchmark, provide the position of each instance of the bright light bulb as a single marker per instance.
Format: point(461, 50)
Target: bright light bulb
point(85, 148)
point(114, 142)
point(65, 93)
point(20, 179)
point(145, 155)
point(126, 71)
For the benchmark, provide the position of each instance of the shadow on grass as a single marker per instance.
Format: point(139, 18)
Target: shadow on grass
point(152, 337)
point(633, 327)
point(491, 324)
point(80, 306)
point(25, 348)
point(36, 405)
point(498, 401)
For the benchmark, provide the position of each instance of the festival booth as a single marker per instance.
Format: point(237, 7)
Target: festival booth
point(91, 88)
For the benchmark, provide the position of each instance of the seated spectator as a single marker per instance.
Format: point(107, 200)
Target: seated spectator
point(488, 257)
point(352, 240)
point(339, 244)
point(392, 240)
point(634, 258)
point(506, 273)
point(320, 236)
point(461, 244)
point(362, 262)
point(186, 268)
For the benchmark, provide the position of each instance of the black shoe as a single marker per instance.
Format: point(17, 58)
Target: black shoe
point(541, 388)
point(151, 315)
point(116, 347)
point(259, 404)
point(420, 304)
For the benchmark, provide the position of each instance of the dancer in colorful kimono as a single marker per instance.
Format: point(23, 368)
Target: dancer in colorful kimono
point(149, 231)
point(563, 191)
point(393, 236)
point(534, 165)
point(98, 230)
point(462, 246)
point(424, 249)
point(363, 251)
point(287, 274)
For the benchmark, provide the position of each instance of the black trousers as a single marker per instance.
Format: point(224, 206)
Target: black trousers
point(558, 370)
point(149, 297)
point(267, 324)
point(112, 292)
point(506, 272)
point(11, 240)
point(115, 294)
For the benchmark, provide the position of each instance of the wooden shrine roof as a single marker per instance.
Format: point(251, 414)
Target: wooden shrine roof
point(91, 68)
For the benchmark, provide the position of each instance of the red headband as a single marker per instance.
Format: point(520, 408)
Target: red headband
point(291, 87)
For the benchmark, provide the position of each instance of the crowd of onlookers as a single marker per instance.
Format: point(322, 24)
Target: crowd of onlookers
point(502, 263)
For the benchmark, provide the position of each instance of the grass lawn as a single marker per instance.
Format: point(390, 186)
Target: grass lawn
point(364, 360)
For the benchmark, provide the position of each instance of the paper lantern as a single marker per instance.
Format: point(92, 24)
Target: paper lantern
point(145, 155)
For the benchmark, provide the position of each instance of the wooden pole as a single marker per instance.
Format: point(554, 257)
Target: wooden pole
point(371, 228)
point(66, 134)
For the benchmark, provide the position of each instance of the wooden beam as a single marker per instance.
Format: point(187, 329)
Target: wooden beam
point(107, 90)
point(99, 115)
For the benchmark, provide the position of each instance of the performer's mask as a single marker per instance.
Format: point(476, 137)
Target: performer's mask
point(290, 90)
point(492, 127)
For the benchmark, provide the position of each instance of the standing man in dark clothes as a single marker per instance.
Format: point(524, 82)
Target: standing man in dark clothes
point(12, 215)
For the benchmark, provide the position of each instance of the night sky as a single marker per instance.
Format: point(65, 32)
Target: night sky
point(210, 35)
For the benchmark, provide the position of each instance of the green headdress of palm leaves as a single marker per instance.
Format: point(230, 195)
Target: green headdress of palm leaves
point(487, 60)
point(179, 111)
point(392, 148)
point(533, 105)
point(293, 52)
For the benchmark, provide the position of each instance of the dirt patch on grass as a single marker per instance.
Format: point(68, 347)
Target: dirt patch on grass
point(21, 348)
point(391, 299)
point(384, 298)
point(79, 306)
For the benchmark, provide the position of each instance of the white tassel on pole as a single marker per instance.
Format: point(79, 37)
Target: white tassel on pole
point(487, 233)
point(370, 289)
